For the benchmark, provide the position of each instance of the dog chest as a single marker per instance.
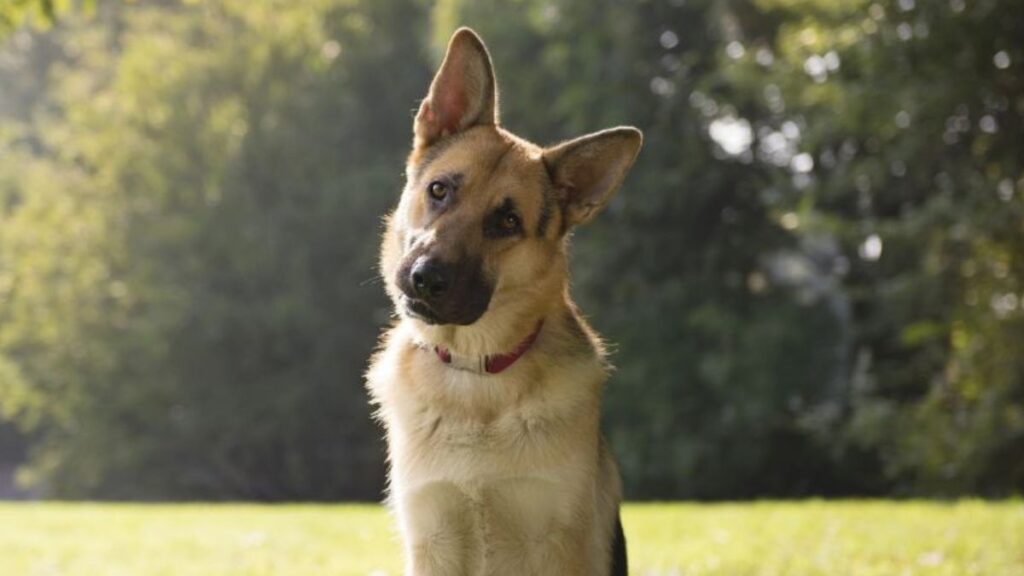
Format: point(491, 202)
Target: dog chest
point(519, 443)
point(493, 526)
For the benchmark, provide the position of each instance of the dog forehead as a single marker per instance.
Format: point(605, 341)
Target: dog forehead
point(485, 159)
point(517, 165)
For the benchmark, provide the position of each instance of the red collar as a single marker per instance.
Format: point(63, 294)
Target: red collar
point(490, 364)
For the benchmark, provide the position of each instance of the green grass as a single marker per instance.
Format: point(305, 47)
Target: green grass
point(798, 539)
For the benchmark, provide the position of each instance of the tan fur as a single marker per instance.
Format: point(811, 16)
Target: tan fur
point(498, 473)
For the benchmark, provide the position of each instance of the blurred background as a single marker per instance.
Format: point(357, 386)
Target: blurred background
point(812, 280)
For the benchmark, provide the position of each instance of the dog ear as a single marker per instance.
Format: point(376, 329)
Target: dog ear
point(589, 169)
point(463, 93)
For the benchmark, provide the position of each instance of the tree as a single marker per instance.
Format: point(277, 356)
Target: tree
point(15, 13)
point(911, 112)
point(189, 256)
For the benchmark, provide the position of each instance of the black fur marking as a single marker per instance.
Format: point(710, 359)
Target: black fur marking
point(455, 179)
point(493, 222)
point(620, 564)
point(462, 304)
point(546, 208)
point(559, 195)
point(563, 225)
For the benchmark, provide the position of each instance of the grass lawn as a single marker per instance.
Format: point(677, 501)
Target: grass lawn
point(798, 539)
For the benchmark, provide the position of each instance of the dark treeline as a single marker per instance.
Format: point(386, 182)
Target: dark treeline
point(813, 280)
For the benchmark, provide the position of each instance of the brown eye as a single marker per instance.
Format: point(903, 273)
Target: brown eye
point(504, 221)
point(510, 221)
point(438, 190)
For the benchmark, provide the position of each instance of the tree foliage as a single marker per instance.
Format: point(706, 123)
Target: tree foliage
point(39, 13)
point(186, 257)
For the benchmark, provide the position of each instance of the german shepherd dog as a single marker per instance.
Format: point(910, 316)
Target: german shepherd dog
point(489, 382)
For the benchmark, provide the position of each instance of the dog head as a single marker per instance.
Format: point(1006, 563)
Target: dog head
point(479, 231)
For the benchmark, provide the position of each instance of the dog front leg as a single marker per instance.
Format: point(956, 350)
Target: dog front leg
point(566, 552)
point(438, 532)
point(531, 530)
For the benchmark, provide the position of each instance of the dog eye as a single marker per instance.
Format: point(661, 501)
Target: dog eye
point(438, 190)
point(510, 222)
point(504, 221)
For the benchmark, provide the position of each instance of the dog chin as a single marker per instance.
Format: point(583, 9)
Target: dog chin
point(419, 310)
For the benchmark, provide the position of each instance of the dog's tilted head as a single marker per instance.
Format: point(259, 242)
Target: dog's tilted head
point(481, 223)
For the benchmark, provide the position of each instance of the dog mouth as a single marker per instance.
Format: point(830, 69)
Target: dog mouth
point(420, 310)
point(427, 313)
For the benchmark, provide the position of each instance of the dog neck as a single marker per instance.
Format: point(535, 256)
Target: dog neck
point(490, 364)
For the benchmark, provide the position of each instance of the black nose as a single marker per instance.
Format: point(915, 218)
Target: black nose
point(429, 278)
